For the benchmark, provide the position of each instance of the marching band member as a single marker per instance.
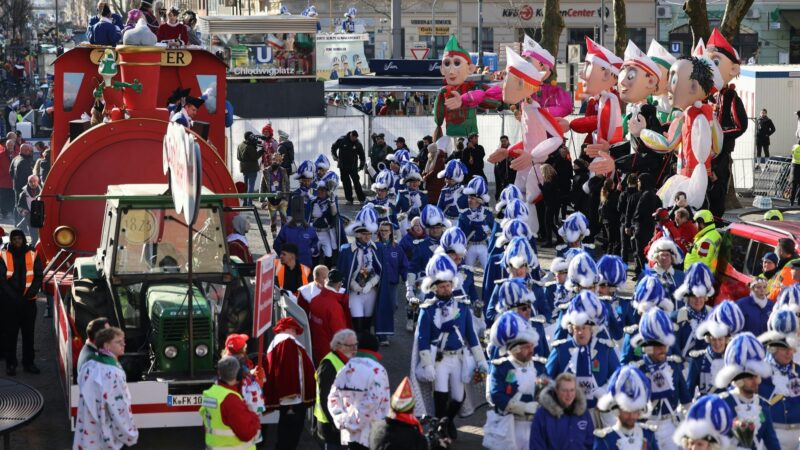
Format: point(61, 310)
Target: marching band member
point(648, 294)
point(756, 307)
point(574, 228)
point(453, 243)
point(325, 216)
point(556, 294)
point(384, 204)
point(451, 201)
point(613, 272)
point(724, 322)
point(494, 270)
point(706, 426)
point(476, 221)
point(628, 398)
point(434, 223)
point(696, 288)
point(663, 255)
point(513, 295)
point(410, 200)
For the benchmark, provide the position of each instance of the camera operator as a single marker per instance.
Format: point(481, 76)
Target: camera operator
point(249, 153)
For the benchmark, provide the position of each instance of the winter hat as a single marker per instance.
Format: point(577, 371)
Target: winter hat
point(477, 187)
point(649, 293)
point(401, 156)
point(519, 253)
point(366, 220)
point(789, 297)
point(709, 418)
point(612, 270)
point(584, 308)
point(515, 209)
point(655, 327)
point(726, 319)
point(235, 343)
point(440, 268)
point(512, 229)
point(431, 216)
point(510, 192)
point(744, 356)
point(558, 264)
point(781, 329)
point(383, 180)
point(582, 272)
point(403, 397)
point(454, 169)
point(304, 170)
point(770, 256)
point(512, 293)
point(322, 162)
point(511, 329)
point(628, 390)
point(453, 240)
point(16, 232)
point(532, 49)
point(410, 172)
point(575, 227)
point(698, 282)
point(664, 245)
point(597, 54)
point(287, 323)
point(329, 181)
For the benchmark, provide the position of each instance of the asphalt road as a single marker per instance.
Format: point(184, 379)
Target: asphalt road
point(51, 429)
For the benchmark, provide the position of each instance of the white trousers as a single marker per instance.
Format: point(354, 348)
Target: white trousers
point(363, 304)
point(664, 432)
point(522, 434)
point(788, 438)
point(476, 253)
point(327, 241)
point(448, 376)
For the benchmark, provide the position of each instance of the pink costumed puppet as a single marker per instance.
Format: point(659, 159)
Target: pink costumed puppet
point(552, 98)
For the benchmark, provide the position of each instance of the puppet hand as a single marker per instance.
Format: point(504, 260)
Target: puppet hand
point(592, 150)
point(453, 102)
point(522, 162)
point(603, 165)
point(498, 155)
point(636, 124)
point(564, 124)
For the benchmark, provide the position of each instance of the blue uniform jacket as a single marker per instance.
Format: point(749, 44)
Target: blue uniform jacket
point(407, 244)
point(323, 206)
point(687, 322)
point(386, 210)
point(669, 287)
point(604, 333)
point(785, 401)
point(423, 251)
point(555, 294)
point(428, 334)
point(476, 224)
point(562, 249)
point(408, 199)
point(766, 432)
point(613, 321)
point(116, 19)
point(494, 271)
point(603, 358)
point(106, 33)
point(700, 377)
point(665, 398)
point(539, 305)
point(304, 237)
point(452, 201)
point(755, 317)
point(503, 384)
point(606, 439)
point(394, 262)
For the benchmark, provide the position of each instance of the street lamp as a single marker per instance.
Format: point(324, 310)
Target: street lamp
point(433, 31)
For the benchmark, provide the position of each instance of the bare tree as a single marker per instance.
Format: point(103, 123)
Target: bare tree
point(620, 27)
point(552, 25)
point(697, 11)
point(735, 10)
point(384, 7)
point(15, 15)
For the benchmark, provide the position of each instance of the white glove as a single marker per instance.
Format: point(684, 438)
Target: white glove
point(411, 280)
point(515, 406)
point(316, 212)
point(480, 359)
point(428, 373)
point(531, 407)
point(355, 287)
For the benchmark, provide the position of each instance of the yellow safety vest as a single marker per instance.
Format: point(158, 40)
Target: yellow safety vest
point(705, 248)
point(796, 154)
point(337, 364)
point(30, 259)
point(219, 435)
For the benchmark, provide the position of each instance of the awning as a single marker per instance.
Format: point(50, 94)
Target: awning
point(260, 24)
point(792, 17)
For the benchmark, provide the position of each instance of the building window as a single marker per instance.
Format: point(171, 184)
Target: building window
point(576, 36)
point(487, 39)
point(439, 44)
point(535, 33)
point(639, 37)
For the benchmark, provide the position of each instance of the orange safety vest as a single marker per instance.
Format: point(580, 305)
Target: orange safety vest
point(280, 272)
point(30, 258)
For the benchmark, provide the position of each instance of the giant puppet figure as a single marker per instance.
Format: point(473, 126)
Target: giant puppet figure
point(697, 133)
point(603, 118)
point(660, 99)
point(455, 105)
point(731, 115)
point(552, 98)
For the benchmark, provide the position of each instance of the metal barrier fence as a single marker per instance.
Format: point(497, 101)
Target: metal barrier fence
point(774, 180)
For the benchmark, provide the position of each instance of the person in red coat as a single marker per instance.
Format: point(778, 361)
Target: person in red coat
point(310, 291)
point(334, 285)
point(172, 29)
point(682, 230)
point(244, 423)
point(289, 386)
point(325, 317)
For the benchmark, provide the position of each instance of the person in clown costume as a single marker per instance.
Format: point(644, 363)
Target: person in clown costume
point(446, 349)
point(512, 380)
point(628, 398)
point(574, 228)
point(782, 389)
point(591, 359)
point(383, 203)
point(454, 108)
point(325, 216)
point(695, 291)
point(647, 295)
point(665, 112)
point(476, 221)
point(451, 199)
point(746, 365)
point(694, 79)
point(552, 98)
point(725, 321)
point(613, 273)
point(665, 372)
point(494, 267)
point(729, 111)
point(582, 275)
point(663, 256)
point(707, 425)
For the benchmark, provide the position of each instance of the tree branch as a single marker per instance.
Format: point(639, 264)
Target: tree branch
point(697, 11)
point(735, 10)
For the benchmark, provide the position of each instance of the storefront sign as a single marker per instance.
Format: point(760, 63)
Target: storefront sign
point(409, 67)
point(527, 12)
point(428, 22)
point(439, 31)
point(340, 55)
point(285, 55)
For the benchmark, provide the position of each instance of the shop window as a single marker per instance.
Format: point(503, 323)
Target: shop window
point(639, 37)
point(577, 36)
point(487, 39)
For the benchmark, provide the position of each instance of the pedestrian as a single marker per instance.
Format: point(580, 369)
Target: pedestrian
point(795, 197)
point(289, 386)
point(20, 287)
point(563, 421)
point(348, 152)
point(643, 221)
point(716, 331)
point(395, 265)
point(89, 348)
point(29, 193)
point(104, 419)
point(105, 31)
point(326, 315)
point(249, 154)
point(764, 129)
point(276, 182)
point(290, 274)
point(629, 393)
point(173, 32)
point(503, 173)
point(451, 199)
point(116, 19)
point(707, 241)
point(21, 168)
point(551, 201)
point(286, 149)
point(609, 198)
point(707, 425)
point(343, 345)
point(782, 389)
point(42, 166)
point(436, 163)
point(227, 420)
point(361, 265)
point(473, 158)
point(378, 152)
point(6, 181)
point(360, 395)
point(476, 221)
point(756, 307)
point(299, 233)
point(400, 430)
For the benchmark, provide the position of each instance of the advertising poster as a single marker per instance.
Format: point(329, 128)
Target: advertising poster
point(340, 55)
point(273, 55)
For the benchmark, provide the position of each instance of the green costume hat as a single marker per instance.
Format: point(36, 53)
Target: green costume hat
point(453, 48)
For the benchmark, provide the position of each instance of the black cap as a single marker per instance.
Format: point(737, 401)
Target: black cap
point(335, 276)
point(16, 232)
point(194, 101)
point(290, 247)
point(400, 139)
point(354, 133)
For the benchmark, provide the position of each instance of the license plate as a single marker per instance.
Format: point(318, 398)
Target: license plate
point(185, 400)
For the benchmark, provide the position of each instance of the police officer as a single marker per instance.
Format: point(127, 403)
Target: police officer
point(628, 397)
point(476, 221)
point(697, 287)
point(434, 223)
point(451, 199)
point(706, 244)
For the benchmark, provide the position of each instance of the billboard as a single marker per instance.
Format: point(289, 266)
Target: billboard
point(340, 55)
point(272, 55)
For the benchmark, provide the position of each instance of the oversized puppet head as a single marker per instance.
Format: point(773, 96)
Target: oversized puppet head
point(664, 60)
point(639, 75)
point(601, 69)
point(522, 78)
point(456, 63)
point(692, 79)
point(541, 59)
point(722, 53)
